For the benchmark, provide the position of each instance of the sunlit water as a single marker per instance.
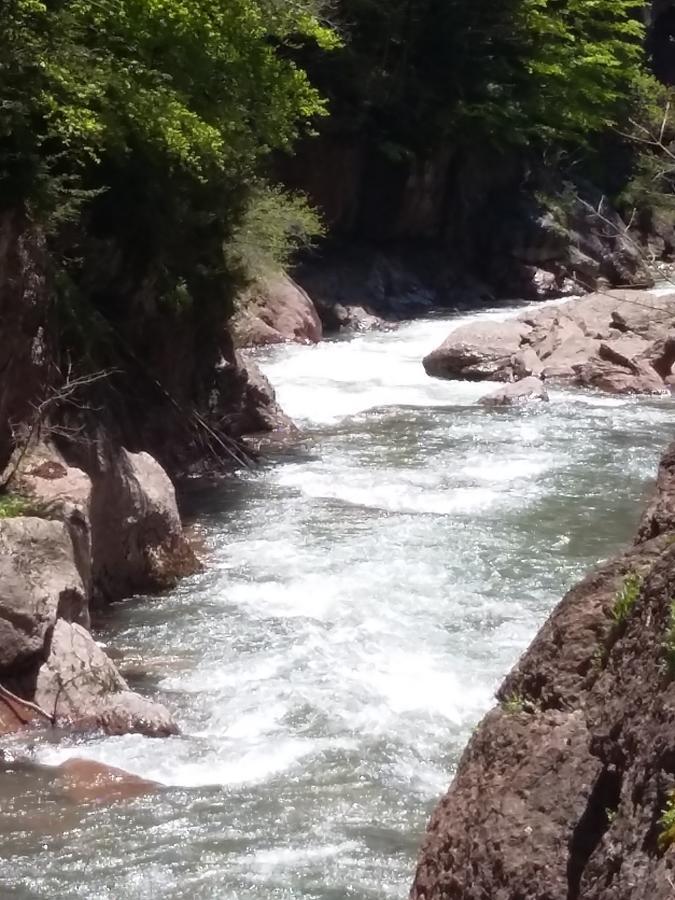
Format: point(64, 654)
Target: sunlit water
point(365, 594)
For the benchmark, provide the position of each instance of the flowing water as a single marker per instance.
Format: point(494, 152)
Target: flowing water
point(365, 595)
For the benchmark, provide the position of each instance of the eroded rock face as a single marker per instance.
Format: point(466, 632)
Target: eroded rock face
point(81, 688)
point(518, 393)
point(561, 790)
point(273, 311)
point(137, 537)
point(621, 342)
point(39, 583)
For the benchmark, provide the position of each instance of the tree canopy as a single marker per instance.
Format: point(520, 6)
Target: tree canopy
point(509, 72)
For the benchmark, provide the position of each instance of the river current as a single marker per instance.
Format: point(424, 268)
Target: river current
point(364, 596)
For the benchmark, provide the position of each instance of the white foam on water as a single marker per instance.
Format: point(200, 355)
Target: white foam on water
point(361, 605)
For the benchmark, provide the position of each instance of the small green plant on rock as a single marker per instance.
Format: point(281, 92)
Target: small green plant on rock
point(669, 642)
point(667, 824)
point(12, 505)
point(517, 703)
point(626, 597)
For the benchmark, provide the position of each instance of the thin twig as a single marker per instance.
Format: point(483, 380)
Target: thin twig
point(11, 699)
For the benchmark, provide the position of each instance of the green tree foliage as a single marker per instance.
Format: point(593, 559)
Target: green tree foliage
point(512, 72)
point(197, 85)
point(144, 123)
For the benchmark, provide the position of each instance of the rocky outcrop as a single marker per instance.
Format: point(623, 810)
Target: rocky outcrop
point(562, 790)
point(364, 287)
point(97, 535)
point(39, 583)
point(620, 342)
point(275, 310)
point(137, 536)
point(81, 689)
point(122, 517)
point(516, 394)
point(481, 351)
point(24, 349)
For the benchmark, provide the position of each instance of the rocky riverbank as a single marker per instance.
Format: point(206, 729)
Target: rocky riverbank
point(567, 788)
point(88, 459)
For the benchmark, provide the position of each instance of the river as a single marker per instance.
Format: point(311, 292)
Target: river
point(364, 596)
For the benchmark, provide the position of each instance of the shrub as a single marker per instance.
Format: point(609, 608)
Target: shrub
point(275, 224)
point(626, 597)
point(667, 824)
point(13, 505)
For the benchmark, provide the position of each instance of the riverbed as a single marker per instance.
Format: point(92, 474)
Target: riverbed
point(365, 594)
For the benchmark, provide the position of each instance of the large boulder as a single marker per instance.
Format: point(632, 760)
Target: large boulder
point(138, 543)
point(479, 351)
point(517, 393)
point(80, 687)
point(275, 310)
point(620, 342)
point(39, 583)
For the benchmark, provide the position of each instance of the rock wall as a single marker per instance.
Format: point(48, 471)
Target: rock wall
point(470, 213)
point(89, 443)
point(563, 789)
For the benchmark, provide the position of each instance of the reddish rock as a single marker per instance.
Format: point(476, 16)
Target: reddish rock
point(275, 310)
point(87, 781)
point(16, 717)
point(138, 543)
point(81, 688)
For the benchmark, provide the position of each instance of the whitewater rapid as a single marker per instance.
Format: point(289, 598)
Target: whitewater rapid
point(365, 594)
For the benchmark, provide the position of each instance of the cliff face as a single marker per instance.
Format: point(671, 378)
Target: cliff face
point(563, 788)
point(92, 406)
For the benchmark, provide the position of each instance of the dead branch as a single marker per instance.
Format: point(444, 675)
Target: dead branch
point(12, 700)
point(64, 393)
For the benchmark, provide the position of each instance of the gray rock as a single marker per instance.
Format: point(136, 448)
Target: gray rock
point(81, 688)
point(137, 537)
point(60, 491)
point(480, 351)
point(39, 583)
point(517, 393)
point(620, 342)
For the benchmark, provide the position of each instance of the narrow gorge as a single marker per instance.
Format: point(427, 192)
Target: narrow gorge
point(338, 346)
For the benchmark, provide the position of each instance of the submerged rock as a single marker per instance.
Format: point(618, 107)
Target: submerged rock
point(517, 393)
point(88, 781)
point(562, 790)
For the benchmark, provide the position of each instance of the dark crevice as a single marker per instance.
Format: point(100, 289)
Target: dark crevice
point(591, 827)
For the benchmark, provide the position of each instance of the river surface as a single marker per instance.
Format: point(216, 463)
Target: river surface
point(365, 595)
